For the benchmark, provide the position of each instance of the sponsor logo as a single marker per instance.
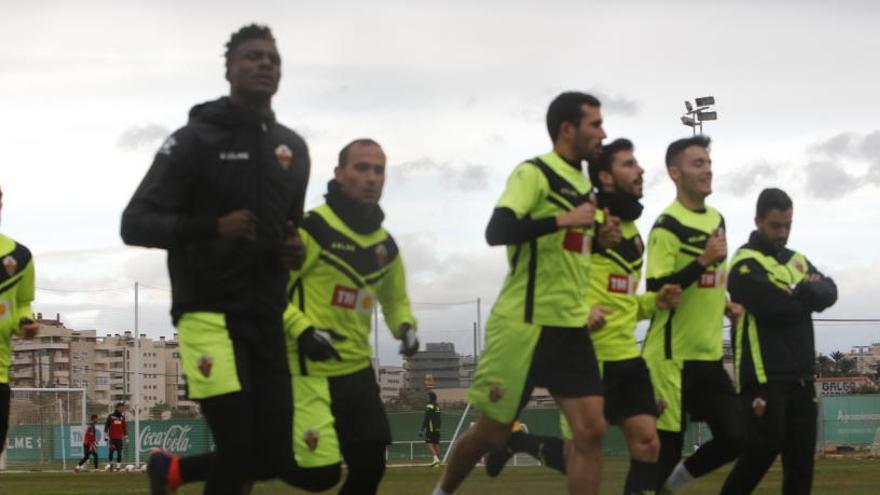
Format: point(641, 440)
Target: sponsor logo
point(167, 146)
point(577, 242)
point(496, 392)
point(341, 246)
point(10, 264)
point(235, 155)
point(311, 438)
point(284, 156)
point(5, 310)
point(697, 238)
point(205, 364)
point(712, 280)
point(568, 192)
point(381, 253)
point(799, 265)
point(174, 439)
point(348, 298)
point(620, 284)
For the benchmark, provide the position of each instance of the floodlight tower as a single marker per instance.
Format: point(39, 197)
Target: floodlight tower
point(699, 113)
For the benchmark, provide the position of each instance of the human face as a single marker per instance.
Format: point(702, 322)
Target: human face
point(692, 172)
point(362, 176)
point(588, 135)
point(626, 173)
point(775, 227)
point(253, 70)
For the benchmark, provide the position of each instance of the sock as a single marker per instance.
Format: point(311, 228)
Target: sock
point(641, 478)
point(679, 478)
point(174, 480)
point(436, 459)
point(439, 491)
point(548, 450)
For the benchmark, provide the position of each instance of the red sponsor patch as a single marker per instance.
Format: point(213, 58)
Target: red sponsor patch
point(345, 297)
point(577, 242)
point(708, 280)
point(618, 284)
point(311, 438)
point(206, 363)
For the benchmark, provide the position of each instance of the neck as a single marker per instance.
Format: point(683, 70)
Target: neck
point(691, 202)
point(260, 105)
point(566, 152)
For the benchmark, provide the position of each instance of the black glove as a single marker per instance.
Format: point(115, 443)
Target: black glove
point(409, 342)
point(317, 346)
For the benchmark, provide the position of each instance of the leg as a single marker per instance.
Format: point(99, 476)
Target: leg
point(366, 467)
point(766, 434)
point(644, 450)
point(800, 442)
point(551, 451)
point(587, 422)
point(4, 414)
point(316, 479)
point(671, 443)
point(485, 436)
point(231, 422)
point(95, 459)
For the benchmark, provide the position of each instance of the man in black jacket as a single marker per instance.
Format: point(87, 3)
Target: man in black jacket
point(774, 349)
point(223, 197)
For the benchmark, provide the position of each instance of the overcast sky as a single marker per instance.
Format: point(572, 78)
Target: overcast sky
point(456, 92)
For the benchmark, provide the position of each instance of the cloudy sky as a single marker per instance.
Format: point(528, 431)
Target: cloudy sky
point(456, 93)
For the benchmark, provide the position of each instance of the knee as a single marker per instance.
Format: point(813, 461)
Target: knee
point(645, 447)
point(369, 464)
point(495, 439)
point(314, 479)
point(589, 434)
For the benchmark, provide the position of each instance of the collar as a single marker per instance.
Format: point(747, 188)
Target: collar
point(363, 219)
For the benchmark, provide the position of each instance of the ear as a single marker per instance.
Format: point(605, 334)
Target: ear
point(606, 180)
point(337, 172)
point(566, 130)
point(757, 222)
point(673, 172)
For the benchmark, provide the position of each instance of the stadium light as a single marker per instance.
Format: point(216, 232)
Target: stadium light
point(698, 112)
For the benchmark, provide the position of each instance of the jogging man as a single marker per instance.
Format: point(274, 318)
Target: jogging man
point(116, 431)
point(616, 309)
point(351, 262)
point(16, 295)
point(89, 444)
point(775, 350)
point(431, 428)
point(535, 334)
point(687, 247)
point(223, 196)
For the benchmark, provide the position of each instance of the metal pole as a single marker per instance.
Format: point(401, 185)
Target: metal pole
point(137, 381)
point(479, 329)
point(475, 344)
point(62, 439)
point(457, 429)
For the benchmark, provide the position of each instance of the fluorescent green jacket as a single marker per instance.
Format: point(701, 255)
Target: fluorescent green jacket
point(342, 277)
point(16, 295)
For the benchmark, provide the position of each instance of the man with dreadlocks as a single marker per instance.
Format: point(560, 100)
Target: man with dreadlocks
point(224, 196)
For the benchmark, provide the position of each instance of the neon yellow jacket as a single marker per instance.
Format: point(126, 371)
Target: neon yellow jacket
point(16, 295)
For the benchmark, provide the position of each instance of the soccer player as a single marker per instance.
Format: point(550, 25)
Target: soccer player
point(116, 431)
point(431, 428)
point(222, 197)
point(535, 334)
point(351, 262)
point(775, 351)
point(90, 444)
point(16, 295)
point(683, 348)
point(616, 309)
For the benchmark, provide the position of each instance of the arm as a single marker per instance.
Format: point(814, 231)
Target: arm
point(510, 222)
point(427, 418)
point(647, 305)
point(24, 295)
point(818, 293)
point(663, 247)
point(302, 163)
point(107, 426)
point(154, 217)
point(750, 285)
point(394, 299)
point(505, 228)
point(295, 320)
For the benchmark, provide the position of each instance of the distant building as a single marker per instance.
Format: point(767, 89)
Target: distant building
point(866, 358)
point(391, 381)
point(438, 366)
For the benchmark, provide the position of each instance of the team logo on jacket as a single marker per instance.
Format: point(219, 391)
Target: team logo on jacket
point(284, 155)
point(799, 265)
point(5, 310)
point(206, 362)
point(10, 264)
point(311, 438)
point(496, 392)
point(381, 253)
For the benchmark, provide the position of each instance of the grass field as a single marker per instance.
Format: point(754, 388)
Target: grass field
point(833, 476)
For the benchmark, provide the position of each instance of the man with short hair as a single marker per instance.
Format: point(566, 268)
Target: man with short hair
point(16, 317)
point(535, 335)
point(616, 309)
point(683, 348)
point(116, 431)
point(430, 430)
point(351, 263)
point(775, 349)
point(223, 196)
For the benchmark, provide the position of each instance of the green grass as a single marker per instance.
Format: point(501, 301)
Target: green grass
point(833, 476)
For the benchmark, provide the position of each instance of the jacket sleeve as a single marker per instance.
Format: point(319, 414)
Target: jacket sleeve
point(155, 215)
point(647, 305)
point(394, 299)
point(427, 418)
point(295, 320)
point(124, 426)
point(663, 247)
point(24, 295)
point(505, 228)
point(749, 284)
point(819, 295)
point(511, 222)
point(303, 165)
point(107, 425)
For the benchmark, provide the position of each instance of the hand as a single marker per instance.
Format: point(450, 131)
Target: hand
point(733, 311)
point(422, 433)
point(240, 224)
point(716, 249)
point(28, 328)
point(409, 341)
point(610, 234)
point(293, 252)
point(316, 344)
point(597, 317)
point(582, 216)
point(669, 296)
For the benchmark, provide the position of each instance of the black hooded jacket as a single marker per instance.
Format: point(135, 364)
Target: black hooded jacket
point(782, 319)
point(226, 158)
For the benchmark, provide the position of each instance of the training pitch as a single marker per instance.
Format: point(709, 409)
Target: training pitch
point(833, 476)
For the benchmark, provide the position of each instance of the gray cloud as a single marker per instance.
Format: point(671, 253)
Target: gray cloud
point(616, 104)
point(828, 180)
point(466, 177)
point(746, 178)
point(831, 174)
point(139, 136)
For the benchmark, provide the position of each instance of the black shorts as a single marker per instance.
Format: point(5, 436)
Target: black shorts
point(432, 437)
point(564, 363)
point(707, 394)
point(628, 390)
point(357, 409)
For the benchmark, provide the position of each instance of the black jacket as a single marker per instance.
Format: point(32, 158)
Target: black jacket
point(226, 158)
point(783, 319)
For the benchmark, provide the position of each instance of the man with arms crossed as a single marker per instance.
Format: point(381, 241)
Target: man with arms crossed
point(535, 334)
